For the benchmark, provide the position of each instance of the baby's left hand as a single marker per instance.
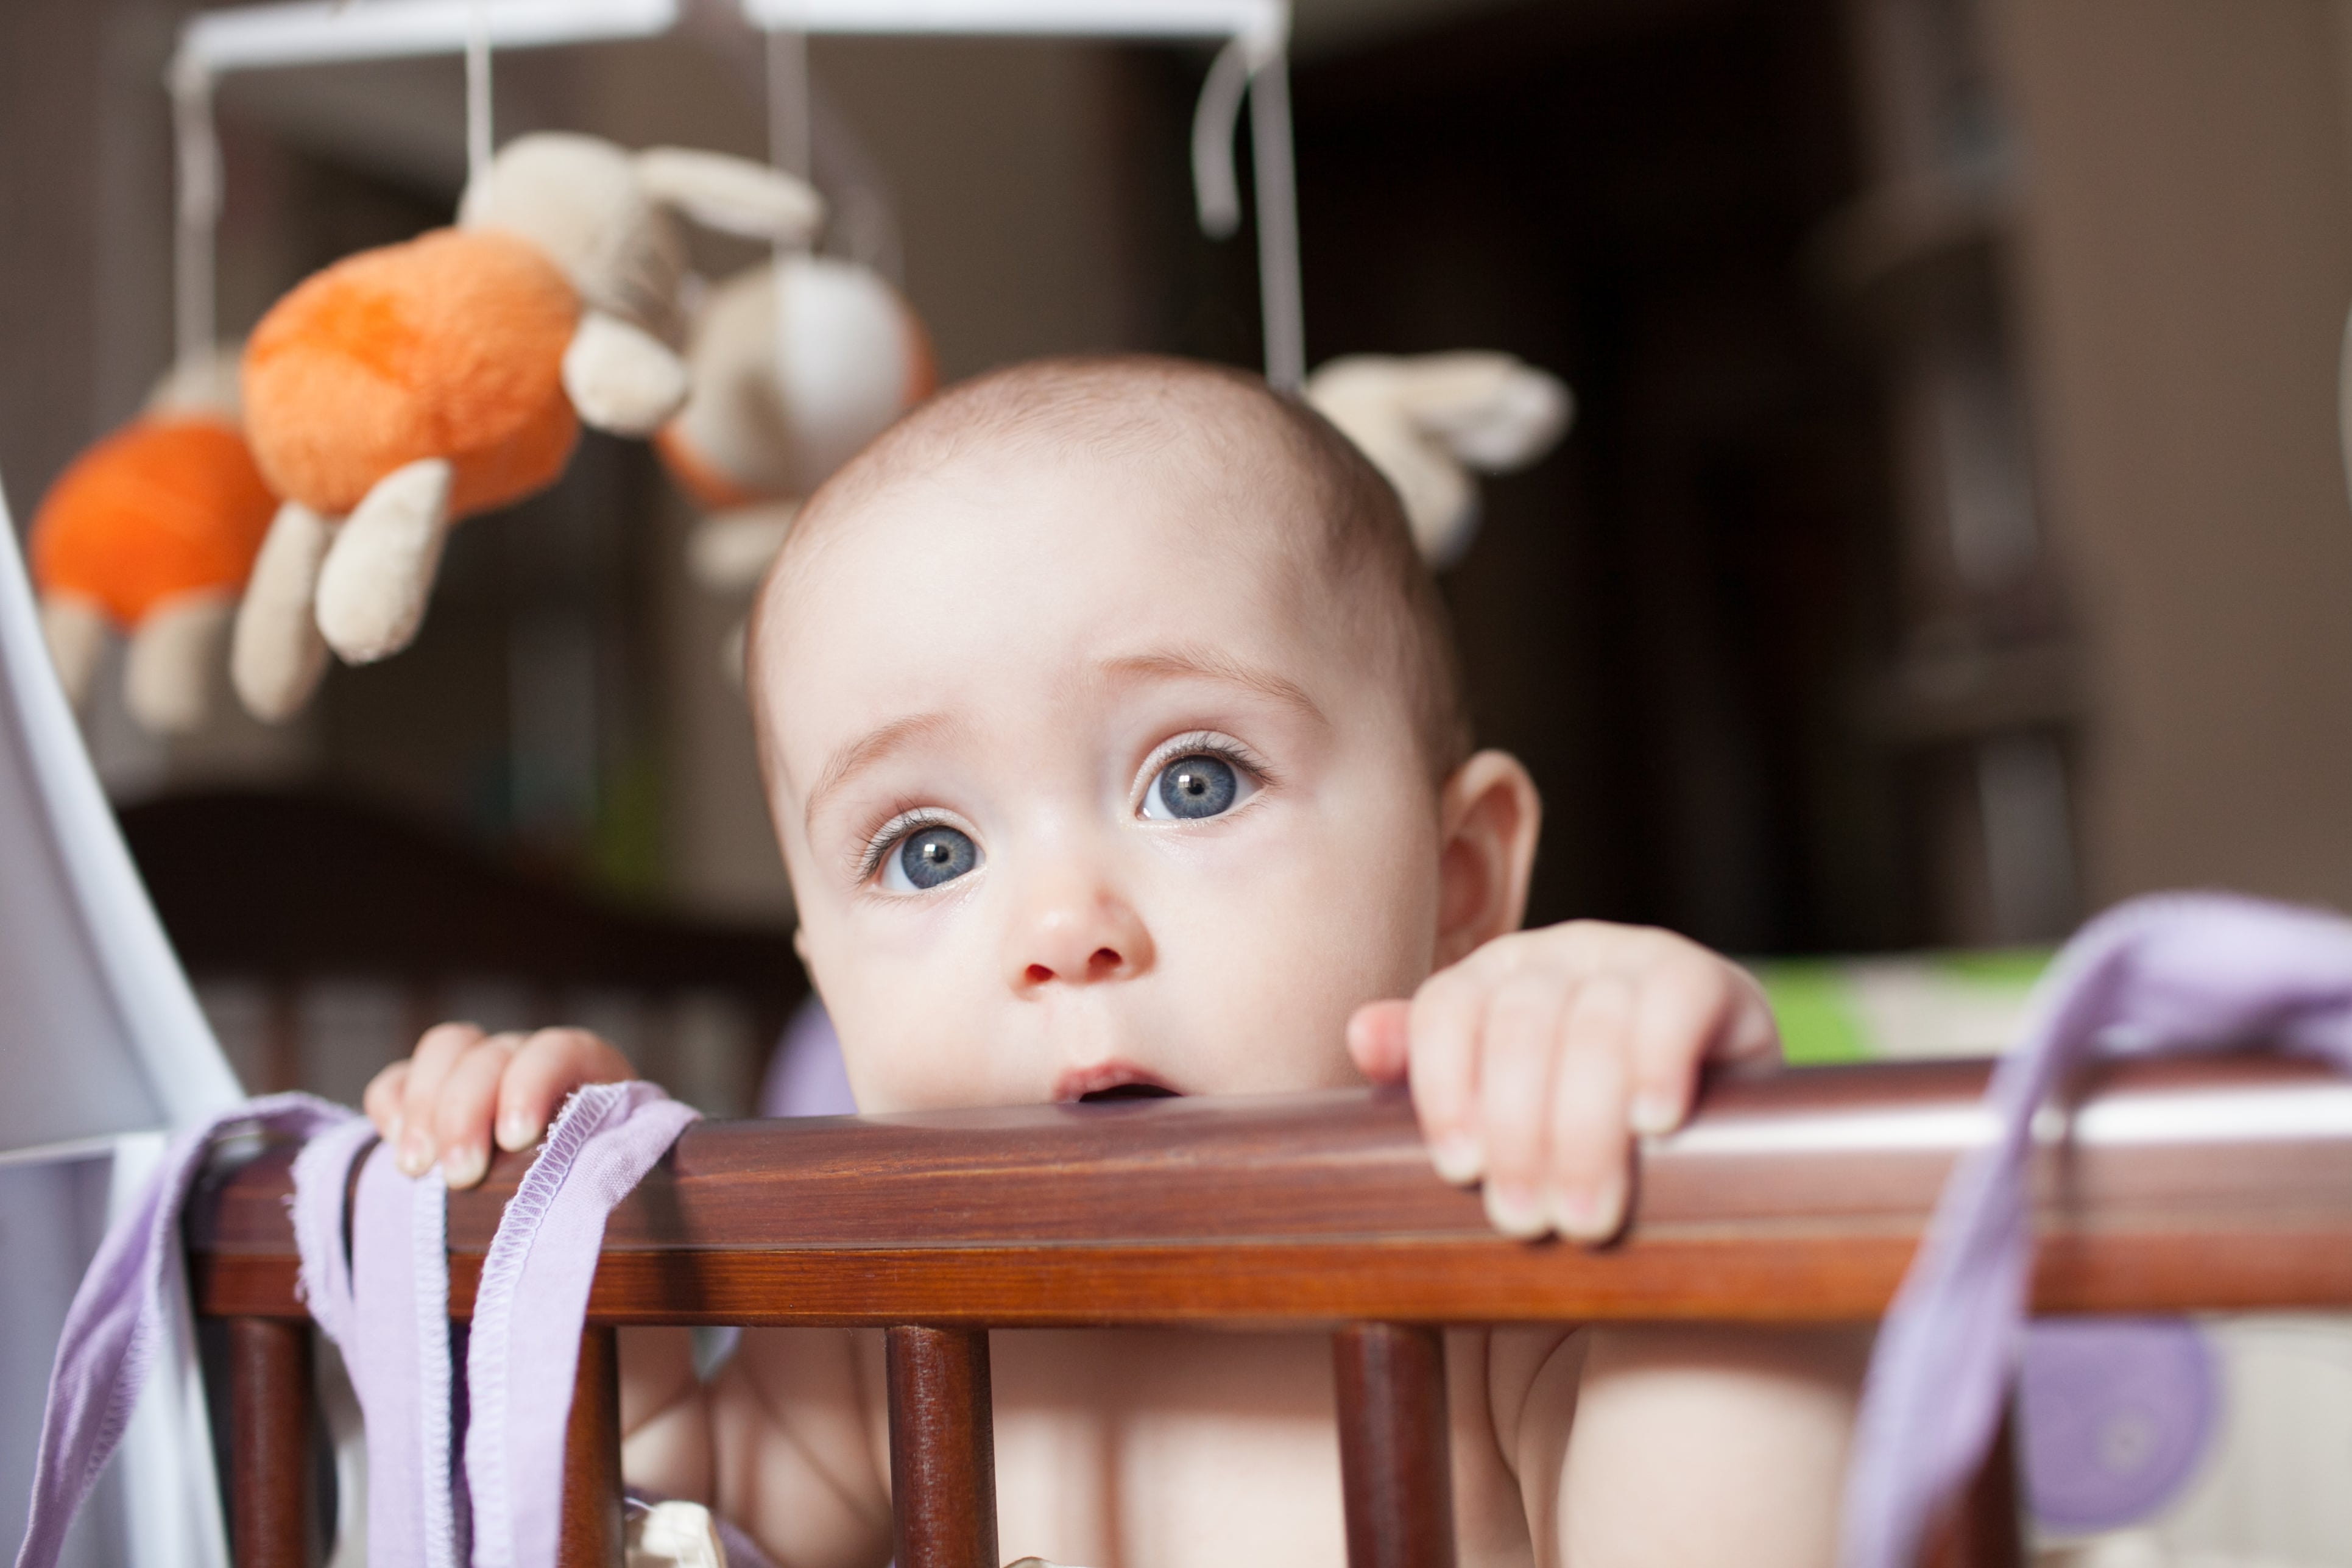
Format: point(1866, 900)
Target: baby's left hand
point(1536, 1061)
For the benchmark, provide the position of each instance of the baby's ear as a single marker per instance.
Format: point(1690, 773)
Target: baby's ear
point(732, 195)
point(1489, 815)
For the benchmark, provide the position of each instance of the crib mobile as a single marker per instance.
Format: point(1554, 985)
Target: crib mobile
point(404, 388)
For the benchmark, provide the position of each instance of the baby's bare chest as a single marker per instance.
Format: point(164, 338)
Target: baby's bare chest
point(1167, 1449)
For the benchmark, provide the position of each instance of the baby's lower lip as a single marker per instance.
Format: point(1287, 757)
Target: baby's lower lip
point(1130, 1091)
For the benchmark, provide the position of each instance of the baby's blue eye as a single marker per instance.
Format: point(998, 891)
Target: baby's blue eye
point(1192, 787)
point(928, 858)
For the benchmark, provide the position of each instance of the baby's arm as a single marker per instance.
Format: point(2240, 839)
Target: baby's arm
point(1681, 1446)
point(1533, 1062)
point(777, 1440)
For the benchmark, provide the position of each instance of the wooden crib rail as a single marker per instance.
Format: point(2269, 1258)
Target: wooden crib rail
point(2210, 1184)
point(2213, 1183)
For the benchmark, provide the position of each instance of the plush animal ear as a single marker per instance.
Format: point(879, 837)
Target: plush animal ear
point(733, 195)
point(1427, 420)
point(1492, 411)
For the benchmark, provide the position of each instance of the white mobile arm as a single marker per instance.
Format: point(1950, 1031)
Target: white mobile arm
point(317, 32)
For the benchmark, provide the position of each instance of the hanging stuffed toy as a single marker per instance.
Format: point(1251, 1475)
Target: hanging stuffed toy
point(405, 387)
point(1429, 421)
point(152, 532)
point(796, 364)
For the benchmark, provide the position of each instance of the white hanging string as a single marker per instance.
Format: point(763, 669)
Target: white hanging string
point(1216, 191)
point(790, 125)
point(1252, 65)
point(1280, 304)
point(198, 220)
point(477, 90)
point(792, 148)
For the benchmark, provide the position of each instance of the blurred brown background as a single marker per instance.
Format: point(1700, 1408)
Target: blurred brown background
point(1953, 538)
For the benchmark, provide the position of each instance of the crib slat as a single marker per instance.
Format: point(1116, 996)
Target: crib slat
point(591, 1535)
point(1986, 1530)
point(1394, 1459)
point(269, 1442)
point(942, 1449)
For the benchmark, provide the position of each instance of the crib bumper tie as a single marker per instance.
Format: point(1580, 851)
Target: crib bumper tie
point(2166, 973)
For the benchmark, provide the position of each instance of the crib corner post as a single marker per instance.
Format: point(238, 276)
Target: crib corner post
point(942, 1449)
point(269, 1442)
point(1395, 1462)
point(591, 1533)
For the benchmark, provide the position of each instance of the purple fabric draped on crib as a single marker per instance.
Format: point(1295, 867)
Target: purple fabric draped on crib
point(119, 1320)
point(2175, 972)
point(386, 1305)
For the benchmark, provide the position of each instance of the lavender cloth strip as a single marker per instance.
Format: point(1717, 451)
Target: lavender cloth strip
point(119, 1317)
point(2174, 972)
point(533, 1297)
point(401, 1363)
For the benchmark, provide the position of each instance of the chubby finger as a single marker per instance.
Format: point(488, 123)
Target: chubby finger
point(386, 1095)
point(1587, 1140)
point(1695, 1008)
point(1442, 1068)
point(1516, 1049)
point(428, 1066)
point(1380, 1039)
point(549, 1065)
point(1685, 1000)
point(461, 1116)
point(1751, 1033)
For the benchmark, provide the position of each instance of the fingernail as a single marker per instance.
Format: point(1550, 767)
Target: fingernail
point(415, 1154)
point(1458, 1158)
point(517, 1131)
point(1654, 1114)
point(1515, 1211)
point(1590, 1214)
point(464, 1167)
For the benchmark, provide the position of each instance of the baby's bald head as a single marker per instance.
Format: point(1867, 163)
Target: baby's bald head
point(1219, 432)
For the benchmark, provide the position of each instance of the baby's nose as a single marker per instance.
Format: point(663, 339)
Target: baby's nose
point(1075, 936)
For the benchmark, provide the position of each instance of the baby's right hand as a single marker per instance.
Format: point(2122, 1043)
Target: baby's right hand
point(444, 1102)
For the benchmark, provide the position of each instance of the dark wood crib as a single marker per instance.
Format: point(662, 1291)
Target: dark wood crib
point(2213, 1183)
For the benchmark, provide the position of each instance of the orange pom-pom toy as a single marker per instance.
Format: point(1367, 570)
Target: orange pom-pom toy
point(152, 532)
point(406, 387)
point(450, 346)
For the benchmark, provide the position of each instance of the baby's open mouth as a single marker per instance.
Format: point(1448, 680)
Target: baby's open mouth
point(1112, 1080)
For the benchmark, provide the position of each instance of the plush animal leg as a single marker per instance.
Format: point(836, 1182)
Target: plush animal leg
point(75, 630)
point(728, 551)
point(277, 655)
point(374, 587)
point(167, 682)
point(622, 378)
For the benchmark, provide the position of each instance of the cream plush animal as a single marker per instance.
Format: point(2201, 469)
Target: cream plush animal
point(796, 365)
point(405, 387)
point(1429, 421)
point(152, 532)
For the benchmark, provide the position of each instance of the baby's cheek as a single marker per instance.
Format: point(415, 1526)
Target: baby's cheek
point(1294, 956)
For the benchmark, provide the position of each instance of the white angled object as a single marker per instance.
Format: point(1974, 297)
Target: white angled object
point(319, 32)
point(103, 1051)
point(1268, 20)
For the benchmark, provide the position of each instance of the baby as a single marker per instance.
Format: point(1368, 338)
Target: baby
point(1111, 731)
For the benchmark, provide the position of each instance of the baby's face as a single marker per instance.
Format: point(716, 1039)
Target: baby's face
point(1085, 781)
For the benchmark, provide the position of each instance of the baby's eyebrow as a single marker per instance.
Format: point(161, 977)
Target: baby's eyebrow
point(1209, 664)
point(868, 749)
